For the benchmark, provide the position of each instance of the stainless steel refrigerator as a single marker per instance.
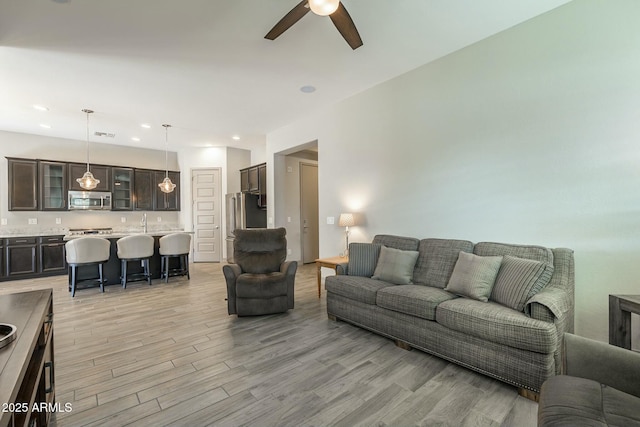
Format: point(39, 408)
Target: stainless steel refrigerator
point(243, 211)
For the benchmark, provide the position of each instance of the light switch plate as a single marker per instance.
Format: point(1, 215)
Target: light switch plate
point(123, 219)
point(3, 221)
point(33, 221)
point(58, 221)
point(331, 220)
point(159, 219)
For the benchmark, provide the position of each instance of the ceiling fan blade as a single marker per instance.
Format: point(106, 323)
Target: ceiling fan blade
point(343, 22)
point(289, 19)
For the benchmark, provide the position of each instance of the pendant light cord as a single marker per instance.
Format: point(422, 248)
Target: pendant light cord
point(88, 112)
point(166, 150)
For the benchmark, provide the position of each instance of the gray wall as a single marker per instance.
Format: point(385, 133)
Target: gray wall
point(530, 136)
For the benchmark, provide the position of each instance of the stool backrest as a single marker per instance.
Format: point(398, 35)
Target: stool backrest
point(136, 246)
point(175, 244)
point(87, 249)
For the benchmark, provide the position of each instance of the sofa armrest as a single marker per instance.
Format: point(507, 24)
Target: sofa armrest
point(231, 273)
point(607, 364)
point(289, 269)
point(342, 268)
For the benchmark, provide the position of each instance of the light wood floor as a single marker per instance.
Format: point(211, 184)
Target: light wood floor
point(168, 354)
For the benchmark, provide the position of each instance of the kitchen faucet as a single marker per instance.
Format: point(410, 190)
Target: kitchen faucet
point(143, 222)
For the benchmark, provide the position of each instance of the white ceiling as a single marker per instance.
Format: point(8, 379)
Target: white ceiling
point(204, 66)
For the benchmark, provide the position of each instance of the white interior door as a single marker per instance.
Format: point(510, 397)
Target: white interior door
point(206, 196)
point(309, 218)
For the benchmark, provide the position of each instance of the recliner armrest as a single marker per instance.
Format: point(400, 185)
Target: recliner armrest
point(607, 364)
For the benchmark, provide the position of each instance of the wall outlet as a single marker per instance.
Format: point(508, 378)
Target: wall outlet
point(123, 219)
point(331, 220)
point(288, 251)
point(288, 219)
point(3, 221)
point(289, 169)
point(58, 221)
point(33, 221)
point(159, 219)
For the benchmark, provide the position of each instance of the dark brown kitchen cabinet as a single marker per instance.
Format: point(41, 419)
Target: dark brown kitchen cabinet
point(123, 186)
point(2, 254)
point(23, 184)
point(52, 254)
point(101, 172)
point(254, 180)
point(144, 190)
point(20, 256)
point(167, 201)
point(53, 185)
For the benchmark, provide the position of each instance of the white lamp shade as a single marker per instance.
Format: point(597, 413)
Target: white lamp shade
point(346, 220)
point(324, 7)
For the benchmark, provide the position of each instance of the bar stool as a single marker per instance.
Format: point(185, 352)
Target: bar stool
point(86, 251)
point(172, 246)
point(135, 248)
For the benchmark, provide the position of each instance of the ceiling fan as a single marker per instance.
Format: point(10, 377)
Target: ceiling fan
point(333, 8)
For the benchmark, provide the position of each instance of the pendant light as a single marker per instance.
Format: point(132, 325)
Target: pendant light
point(166, 186)
point(88, 182)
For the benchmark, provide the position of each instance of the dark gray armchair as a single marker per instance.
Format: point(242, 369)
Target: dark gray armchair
point(601, 386)
point(261, 281)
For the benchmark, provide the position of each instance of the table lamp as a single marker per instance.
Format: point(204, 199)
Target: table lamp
point(346, 220)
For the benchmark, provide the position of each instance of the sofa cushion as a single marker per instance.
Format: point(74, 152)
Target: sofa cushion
point(416, 300)
point(436, 260)
point(397, 242)
point(361, 289)
point(572, 401)
point(363, 258)
point(518, 280)
point(537, 253)
point(395, 266)
point(267, 285)
point(494, 322)
point(473, 276)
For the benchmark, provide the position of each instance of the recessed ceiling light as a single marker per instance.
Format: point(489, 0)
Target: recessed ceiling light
point(145, 125)
point(235, 138)
point(135, 138)
point(44, 125)
point(40, 108)
point(307, 89)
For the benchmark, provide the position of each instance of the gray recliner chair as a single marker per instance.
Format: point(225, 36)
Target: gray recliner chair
point(261, 281)
point(601, 387)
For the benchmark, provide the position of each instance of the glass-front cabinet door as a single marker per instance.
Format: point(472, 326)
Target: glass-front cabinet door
point(122, 189)
point(53, 186)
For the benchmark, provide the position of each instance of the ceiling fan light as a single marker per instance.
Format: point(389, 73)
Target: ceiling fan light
point(324, 7)
point(166, 186)
point(88, 181)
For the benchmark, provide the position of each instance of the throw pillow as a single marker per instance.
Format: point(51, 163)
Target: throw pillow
point(474, 276)
point(395, 266)
point(518, 280)
point(363, 258)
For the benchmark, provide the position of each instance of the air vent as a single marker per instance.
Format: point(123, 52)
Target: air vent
point(106, 134)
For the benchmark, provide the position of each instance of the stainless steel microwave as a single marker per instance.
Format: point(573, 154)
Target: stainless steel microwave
point(89, 200)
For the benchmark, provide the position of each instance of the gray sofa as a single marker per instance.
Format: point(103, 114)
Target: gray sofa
point(513, 333)
point(601, 387)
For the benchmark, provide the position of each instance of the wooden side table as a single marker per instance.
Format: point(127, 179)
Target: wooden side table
point(620, 309)
point(333, 263)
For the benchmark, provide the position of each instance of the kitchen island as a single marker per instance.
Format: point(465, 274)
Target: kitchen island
point(111, 270)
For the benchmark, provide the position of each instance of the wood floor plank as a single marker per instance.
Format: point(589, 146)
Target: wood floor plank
point(169, 354)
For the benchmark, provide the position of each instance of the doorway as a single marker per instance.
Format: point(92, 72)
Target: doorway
point(309, 217)
point(206, 204)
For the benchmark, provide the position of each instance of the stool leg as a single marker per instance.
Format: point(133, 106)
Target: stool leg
point(166, 270)
point(101, 278)
point(161, 266)
point(186, 262)
point(123, 279)
point(73, 281)
point(146, 270)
